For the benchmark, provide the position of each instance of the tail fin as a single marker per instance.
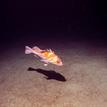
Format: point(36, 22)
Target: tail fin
point(28, 50)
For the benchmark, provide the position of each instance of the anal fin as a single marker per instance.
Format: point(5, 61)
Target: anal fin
point(45, 64)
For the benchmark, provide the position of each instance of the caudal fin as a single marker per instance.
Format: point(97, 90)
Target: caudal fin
point(28, 50)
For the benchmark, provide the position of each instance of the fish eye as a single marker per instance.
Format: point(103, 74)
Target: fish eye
point(58, 61)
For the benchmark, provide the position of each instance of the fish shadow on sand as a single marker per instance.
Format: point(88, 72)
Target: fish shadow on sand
point(50, 74)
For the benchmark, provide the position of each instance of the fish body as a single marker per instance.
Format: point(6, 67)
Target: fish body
point(46, 56)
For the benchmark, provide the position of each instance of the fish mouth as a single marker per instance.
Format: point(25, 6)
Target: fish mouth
point(58, 64)
point(61, 64)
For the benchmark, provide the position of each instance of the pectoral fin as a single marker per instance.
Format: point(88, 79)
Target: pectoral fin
point(43, 60)
point(46, 62)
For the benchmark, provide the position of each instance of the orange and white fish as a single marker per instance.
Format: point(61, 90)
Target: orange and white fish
point(46, 56)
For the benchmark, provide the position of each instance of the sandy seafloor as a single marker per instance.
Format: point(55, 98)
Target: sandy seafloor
point(81, 82)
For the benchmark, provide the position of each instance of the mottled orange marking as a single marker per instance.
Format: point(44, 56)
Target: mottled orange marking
point(49, 55)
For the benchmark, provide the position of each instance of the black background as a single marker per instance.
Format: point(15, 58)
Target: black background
point(82, 19)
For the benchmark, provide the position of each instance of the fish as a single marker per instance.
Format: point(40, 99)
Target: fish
point(47, 56)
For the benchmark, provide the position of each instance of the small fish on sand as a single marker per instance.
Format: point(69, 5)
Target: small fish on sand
point(46, 56)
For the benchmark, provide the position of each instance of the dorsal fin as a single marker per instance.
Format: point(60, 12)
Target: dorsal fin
point(50, 50)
